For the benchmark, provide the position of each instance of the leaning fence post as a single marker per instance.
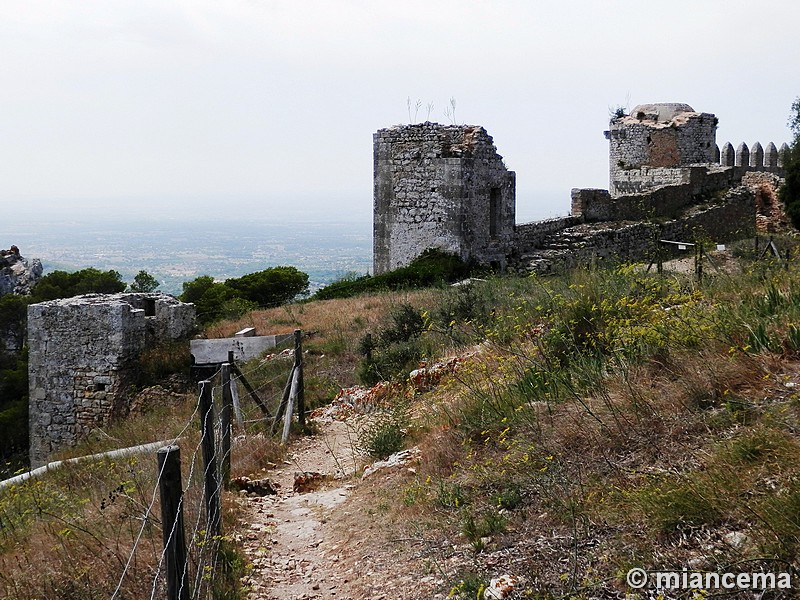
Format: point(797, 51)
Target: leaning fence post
point(171, 492)
point(298, 363)
point(237, 407)
point(225, 424)
point(698, 261)
point(287, 417)
point(211, 477)
point(284, 399)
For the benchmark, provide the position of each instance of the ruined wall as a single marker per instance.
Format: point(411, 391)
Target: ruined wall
point(440, 186)
point(532, 235)
point(729, 217)
point(647, 146)
point(82, 354)
point(701, 184)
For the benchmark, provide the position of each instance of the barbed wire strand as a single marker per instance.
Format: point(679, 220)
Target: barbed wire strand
point(148, 511)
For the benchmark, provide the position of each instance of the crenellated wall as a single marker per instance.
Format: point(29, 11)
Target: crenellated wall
point(756, 158)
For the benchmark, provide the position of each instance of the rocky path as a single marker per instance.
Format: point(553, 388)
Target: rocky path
point(295, 552)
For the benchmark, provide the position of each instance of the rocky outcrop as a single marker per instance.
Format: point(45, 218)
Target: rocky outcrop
point(18, 275)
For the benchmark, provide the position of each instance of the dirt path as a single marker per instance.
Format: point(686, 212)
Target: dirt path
point(294, 550)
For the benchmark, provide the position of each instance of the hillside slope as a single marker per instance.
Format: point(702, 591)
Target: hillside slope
point(586, 426)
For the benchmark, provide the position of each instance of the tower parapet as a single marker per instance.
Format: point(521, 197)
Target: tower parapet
point(647, 145)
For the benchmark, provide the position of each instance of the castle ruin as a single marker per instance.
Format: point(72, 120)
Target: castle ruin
point(83, 357)
point(440, 186)
point(446, 187)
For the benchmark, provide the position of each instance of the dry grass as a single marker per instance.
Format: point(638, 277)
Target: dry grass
point(332, 333)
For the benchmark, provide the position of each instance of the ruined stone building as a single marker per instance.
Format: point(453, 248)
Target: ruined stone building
point(446, 187)
point(83, 357)
point(440, 186)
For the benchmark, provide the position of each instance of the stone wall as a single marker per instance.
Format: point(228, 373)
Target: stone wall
point(532, 235)
point(446, 187)
point(697, 184)
point(661, 137)
point(728, 217)
point(440, 186)
point(732, 217)
point(82, 358)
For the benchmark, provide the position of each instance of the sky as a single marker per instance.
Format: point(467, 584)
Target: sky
point(250, 108)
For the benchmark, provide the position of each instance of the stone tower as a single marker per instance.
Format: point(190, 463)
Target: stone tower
point(649, 146)
point(440, 186)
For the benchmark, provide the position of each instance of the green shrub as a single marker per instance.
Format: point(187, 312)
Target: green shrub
point(475, 530)
point(470, 586)
point(385, 436)
point(676, 504)
point(451, 495)
point(432, 267)
point(395, 350)
point(161, 361)
point(270, 287)
point(235, 297)
point(61, 284)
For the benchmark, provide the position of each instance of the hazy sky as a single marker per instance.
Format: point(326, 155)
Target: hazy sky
point(261, 105)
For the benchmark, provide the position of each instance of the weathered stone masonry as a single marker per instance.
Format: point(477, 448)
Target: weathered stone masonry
point(647, 147)
point(445, 187)
point(440, 186)
point(82, 355)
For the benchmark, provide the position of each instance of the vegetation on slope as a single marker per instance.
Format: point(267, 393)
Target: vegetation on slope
point(232, 298)
point(606, 420)
point(432, 267)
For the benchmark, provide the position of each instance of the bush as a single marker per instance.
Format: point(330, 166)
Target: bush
point(144, 282)
point(159, 362)
point(270, 287)
point(235, 297)
point(432, 267)
point(61, 284)
point(13, 317)
point(386, 435)
point(13, 405)
point(397, 349)
point(790, 192)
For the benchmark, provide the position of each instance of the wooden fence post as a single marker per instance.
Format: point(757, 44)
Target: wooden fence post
point(171, 492)
point(284, 400)
point(287, 418)
point(298, 364)
point(211, 477)
point(698, 261)
point(225, 424)
point(237, 407)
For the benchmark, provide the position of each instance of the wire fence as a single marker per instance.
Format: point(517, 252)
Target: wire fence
point(169, 537)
